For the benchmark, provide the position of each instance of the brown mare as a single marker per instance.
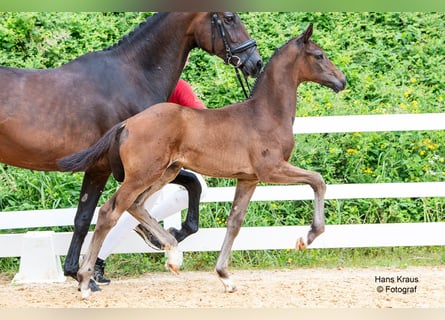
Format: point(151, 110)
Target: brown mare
point(250, 141)
point(48, 114)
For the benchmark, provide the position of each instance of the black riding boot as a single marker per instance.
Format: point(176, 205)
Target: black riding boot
point(98, 274)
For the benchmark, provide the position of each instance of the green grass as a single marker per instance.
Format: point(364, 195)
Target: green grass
point(393, 63)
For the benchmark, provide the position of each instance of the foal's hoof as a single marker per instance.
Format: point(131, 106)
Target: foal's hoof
point(174, 259)
point(301, 244)
point(85, 294)
point(229, 286)
point(148, 237)
point(174, 268)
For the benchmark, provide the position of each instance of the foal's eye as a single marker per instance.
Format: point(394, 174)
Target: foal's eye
point(319, 56)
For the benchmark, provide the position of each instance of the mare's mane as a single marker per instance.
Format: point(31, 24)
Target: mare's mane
point(148, 26)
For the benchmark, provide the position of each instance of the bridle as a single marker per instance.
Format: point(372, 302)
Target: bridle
point(231, 53)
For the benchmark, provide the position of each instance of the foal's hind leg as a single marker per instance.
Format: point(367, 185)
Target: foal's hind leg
point(193, 186)
point(124, 199)
point(166, 241)
point(109, 214)
point(153, 232)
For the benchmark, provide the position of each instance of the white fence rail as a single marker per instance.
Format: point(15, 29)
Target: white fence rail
point(283, 237)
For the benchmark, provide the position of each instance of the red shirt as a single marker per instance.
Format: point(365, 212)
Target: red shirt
point(184, 95)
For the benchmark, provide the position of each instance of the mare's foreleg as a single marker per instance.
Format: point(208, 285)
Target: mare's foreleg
point(92, 187)
point(286, 173)
point(243, 194)
point(194, 189)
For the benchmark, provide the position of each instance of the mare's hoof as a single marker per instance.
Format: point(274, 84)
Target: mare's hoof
point(92, 286)
point(174, 232)
point(71, 274)
point(148, 237)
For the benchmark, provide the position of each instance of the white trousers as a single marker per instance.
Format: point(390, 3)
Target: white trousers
point(172, 198)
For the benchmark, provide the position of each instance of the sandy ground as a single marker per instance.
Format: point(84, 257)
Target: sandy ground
point(301, 288)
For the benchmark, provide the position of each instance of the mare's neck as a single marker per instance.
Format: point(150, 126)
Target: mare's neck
point(159, 52)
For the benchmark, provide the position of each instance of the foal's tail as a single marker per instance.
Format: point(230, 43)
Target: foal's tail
point(104, 147)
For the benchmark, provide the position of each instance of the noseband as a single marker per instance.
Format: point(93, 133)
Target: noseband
point(231, 57)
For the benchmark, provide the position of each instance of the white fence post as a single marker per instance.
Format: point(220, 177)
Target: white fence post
point(39, 262)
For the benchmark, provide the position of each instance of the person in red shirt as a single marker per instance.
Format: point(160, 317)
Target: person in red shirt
point(184, 95)
point(171, 199)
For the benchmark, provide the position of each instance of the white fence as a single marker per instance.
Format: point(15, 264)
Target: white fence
point(282, 237)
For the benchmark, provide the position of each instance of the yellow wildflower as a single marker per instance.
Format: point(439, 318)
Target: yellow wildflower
point(408, 92)
point(351, 151)
point(366, 170)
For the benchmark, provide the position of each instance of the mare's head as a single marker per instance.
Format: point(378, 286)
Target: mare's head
point(223, 34)
point(313, 64)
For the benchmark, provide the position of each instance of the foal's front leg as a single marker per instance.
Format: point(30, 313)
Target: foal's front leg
point(285, 173)
point(243, 194)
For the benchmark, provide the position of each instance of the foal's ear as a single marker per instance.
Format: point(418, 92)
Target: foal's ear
point(305, 36)
point(308, 33)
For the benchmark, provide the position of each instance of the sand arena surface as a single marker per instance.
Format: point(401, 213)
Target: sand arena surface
point(298, 288)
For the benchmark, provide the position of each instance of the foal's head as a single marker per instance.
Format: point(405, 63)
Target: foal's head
point(313, 64)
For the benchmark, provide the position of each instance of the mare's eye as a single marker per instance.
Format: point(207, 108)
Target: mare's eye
point(229, 18)
point(319, 56)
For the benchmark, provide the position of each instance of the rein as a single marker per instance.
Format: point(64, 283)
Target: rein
point(231, 57)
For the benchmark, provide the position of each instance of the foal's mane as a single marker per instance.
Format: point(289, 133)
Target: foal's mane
point(276, 53)
point(147, 26)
